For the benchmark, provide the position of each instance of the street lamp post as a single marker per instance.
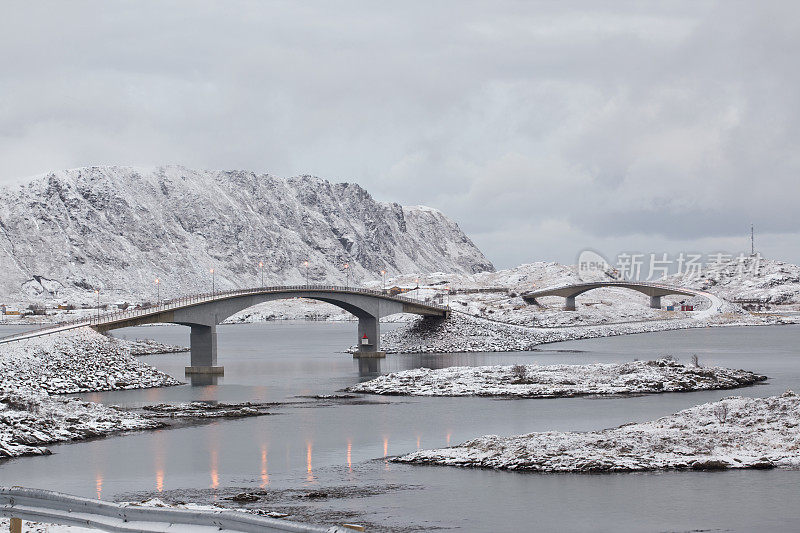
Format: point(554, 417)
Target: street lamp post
point(97, 292)
point(261, 268)
point(383, 274)
point(305, 263)
point(346, 275)
point(213, 285)
point(158, 291)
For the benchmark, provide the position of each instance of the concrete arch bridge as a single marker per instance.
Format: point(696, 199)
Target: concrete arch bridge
point(203, 312)
point(654, 290)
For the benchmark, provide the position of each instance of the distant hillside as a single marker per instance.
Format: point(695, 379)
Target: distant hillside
point(776, 282)
point(117, 229)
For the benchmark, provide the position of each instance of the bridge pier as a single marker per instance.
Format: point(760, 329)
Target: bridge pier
point(655, 302)
point(203, 347)
point(569, 304)
point(371, 346)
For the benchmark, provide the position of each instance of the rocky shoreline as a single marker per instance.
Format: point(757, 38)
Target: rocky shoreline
point(558, 381)
point(35, 372)
point(465, 333)
point(735, 432)
point(31, 420)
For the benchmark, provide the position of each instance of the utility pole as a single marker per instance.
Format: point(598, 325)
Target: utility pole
point(752, 241)
point(158, 291)
point(213, 286)
point(97, 292)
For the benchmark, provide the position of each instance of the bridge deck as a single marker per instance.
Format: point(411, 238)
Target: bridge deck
point(120, 317)
point(641, 286)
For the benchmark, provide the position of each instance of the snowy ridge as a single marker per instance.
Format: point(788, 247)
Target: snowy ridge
point(556, 381)
point(732, 433)
point(118, 228)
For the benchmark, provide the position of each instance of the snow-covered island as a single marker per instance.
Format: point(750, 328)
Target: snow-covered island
point(81, 360)
point(734, 432)
point(33, 372)
point(30, 419)
point(555, 381)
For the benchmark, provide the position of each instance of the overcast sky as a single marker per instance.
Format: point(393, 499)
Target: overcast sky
point(542, 128)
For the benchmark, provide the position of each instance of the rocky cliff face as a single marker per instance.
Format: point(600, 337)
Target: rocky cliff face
point(117, 229)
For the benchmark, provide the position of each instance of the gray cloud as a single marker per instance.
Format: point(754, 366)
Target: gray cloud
point(541, 127)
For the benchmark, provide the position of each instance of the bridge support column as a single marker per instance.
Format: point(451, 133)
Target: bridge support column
point(371, 346)
point(655, 302)
point(203, 346)
point(569, 304)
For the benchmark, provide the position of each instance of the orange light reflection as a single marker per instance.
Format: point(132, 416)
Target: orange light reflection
point(264, 474)
point(309, 470)
point(214, 470)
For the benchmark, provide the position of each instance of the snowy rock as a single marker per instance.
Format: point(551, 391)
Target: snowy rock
point(733, 433)
point(551, 381)
point(464, 333)
point(79, 360)
point(30, 419)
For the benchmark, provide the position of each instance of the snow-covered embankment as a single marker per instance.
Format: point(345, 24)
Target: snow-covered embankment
point(553, 381)
point(731, 433)
point(33, 371)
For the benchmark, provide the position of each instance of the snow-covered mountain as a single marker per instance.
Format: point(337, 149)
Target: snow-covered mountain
point(117, 229)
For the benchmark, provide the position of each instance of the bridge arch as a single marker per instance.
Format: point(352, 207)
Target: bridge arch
point(654, 290)
point(202, 313)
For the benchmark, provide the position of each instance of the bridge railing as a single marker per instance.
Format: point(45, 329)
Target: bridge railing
point(65, 509)
point(194, 299)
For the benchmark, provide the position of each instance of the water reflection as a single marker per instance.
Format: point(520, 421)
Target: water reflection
point(369, 366)
point(309, 470)
point(159, 459)
point(214, 469)
point(99, 485)
point(349, 455)
point(201, 380)
point(264, 473)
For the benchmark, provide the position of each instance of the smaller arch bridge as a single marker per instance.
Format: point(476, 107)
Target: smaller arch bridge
point(654, 290)
point(203, 312)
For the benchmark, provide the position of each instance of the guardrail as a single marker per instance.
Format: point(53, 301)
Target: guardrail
point(195, 299)
point(57, 508)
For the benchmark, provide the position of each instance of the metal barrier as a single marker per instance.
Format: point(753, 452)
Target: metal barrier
point(195, 299)
point(57, 508)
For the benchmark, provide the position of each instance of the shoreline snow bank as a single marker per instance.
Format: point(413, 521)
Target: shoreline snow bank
point(465, 333)
point(33, 371)
point(30, 419)
point(555, 381)
point(735, 432)
point(79, 360)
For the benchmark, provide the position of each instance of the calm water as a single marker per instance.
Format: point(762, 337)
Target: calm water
point(313, 444)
